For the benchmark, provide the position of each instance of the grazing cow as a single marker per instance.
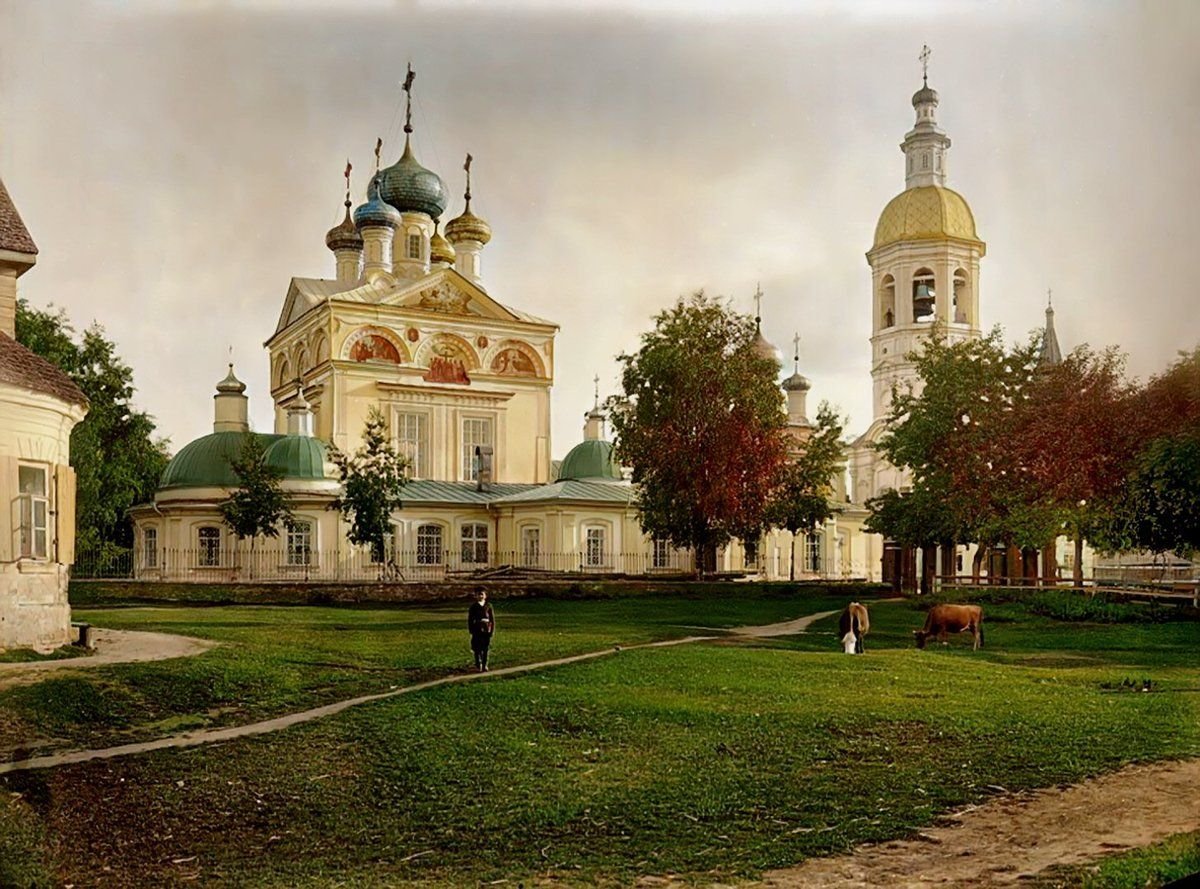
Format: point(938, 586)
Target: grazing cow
point(943, 619)
point(852, 626)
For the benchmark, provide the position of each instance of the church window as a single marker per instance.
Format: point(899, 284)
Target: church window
point(595, 553)
point(531, 546)
point(925, 162)
point(887, 301)
point(662, 554)
point(429, 545)
point(924, 299)
point(150, 548)
point(475, 543)
point(812, 553)
point(414, 246)
point(209, 542)
point(299, 543)
point(476, 431)
point(35, 512)
point(412, 441)
point(960, 296)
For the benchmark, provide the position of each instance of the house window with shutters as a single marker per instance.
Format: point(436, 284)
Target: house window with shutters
point(34, 506)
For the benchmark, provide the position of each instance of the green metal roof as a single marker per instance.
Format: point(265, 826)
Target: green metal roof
point(426, 491)
point(297, 457)
point(590, 459)
point(204, 463)
point(581, 490)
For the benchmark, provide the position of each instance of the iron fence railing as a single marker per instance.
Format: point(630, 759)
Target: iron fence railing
point(360, 565)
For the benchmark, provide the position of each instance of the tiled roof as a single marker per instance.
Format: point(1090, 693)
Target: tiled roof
point(21, 368)
point(13, 234)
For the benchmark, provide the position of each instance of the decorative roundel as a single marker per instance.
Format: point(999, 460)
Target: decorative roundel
point(413, 334)
point(482, 342)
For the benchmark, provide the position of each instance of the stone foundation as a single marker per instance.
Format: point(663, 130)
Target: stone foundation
point(33, 606)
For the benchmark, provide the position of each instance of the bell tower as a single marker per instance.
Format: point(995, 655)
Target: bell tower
point(925, 258)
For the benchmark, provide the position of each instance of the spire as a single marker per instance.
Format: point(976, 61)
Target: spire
point(230, 405)
point(1051, 355)
point(593, 423)
point(925, 145)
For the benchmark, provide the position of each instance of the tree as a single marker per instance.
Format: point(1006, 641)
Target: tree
point(259, 506)
point(115, 454)
point(802, 499)
point(373, 479)
point(701, 423)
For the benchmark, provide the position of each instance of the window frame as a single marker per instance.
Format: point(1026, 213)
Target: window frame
point(424, 536)
point(531, 556)
point(472, 543)
point(414, 246)
point(468, 468)
point(150, 547)
point(420, 454)
point(208, 546)
point(28, 525)
point(299, 539)
point(595, 557)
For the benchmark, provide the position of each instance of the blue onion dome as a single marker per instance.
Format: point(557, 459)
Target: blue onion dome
point(440, 250)
point(344, 235)
point(297, 457)
point(376, 212)
point(411, 188)
point(590, 459)
point(468, 227)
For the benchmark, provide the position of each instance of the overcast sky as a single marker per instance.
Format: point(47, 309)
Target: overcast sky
point(178, 163)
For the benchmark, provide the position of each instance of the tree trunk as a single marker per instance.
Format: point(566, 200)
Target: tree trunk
point(1012, 564)
point(949, 559)
point(1049, 564)
point(977, 562)
point(1077, 570)
point(908, 569)
point(928, 567)
point(792, 568)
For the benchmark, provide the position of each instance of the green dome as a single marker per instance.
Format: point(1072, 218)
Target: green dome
point(590, 459)
point(297, 457)
point(204, 463)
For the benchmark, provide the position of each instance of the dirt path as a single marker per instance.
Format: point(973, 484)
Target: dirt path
point(112, 647)
point(1007, 840)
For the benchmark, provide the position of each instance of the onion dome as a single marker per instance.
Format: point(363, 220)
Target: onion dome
point(299, 457)
point(591, 459)
point(376, 212)
point(797, 382)
point(763, 348)
point(925, 96)
point(231, 385)
point(468, 227)
point(344, 235)
point(411, 188)
point(440, 250)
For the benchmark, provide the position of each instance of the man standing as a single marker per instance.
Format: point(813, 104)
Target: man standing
point(481, 623)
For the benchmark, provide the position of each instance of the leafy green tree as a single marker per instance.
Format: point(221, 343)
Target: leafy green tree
point(803, 498)
point(701, 423)
point(116, 456)
point(259, 506)
point(373, 479)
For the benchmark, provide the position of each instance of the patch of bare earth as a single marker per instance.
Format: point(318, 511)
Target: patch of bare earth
point(1012, 838)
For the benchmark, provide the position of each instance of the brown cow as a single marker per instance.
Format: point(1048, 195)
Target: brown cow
point(852, 626)
point(943, 619)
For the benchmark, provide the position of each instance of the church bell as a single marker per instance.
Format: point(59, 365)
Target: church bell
point(923, 302)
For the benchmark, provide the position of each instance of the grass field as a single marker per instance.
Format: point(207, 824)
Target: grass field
point(713, 760)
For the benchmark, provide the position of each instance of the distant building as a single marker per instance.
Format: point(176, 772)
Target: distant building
point(39, 406)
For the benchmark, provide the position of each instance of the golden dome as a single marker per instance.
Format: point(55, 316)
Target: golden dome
point(440, 250)
point(928, 213)
point(468, 227)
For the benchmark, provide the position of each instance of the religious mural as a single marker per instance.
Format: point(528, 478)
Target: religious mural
point(444, 298)
point(366, 345)
point(446, 370)
point(514, 363)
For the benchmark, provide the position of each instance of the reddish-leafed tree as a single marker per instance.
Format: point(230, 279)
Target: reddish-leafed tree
point(701, 423)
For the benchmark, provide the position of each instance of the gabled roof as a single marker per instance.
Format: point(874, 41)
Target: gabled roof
point(13, 234)
point(23, 369)
point(306, 293)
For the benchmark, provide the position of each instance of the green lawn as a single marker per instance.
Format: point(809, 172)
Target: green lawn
point(714, 760)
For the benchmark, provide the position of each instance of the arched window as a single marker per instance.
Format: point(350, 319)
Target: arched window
point(961, 296)
point(812, 553)
point(429, 545)
point(150, 548)
point(299, 543)
point(414, 245)
point(924, 299)
point(285, 373)
point(208, 541)
point(531, 546)
point(475, 543)
point(887, 301)
point(595, 554)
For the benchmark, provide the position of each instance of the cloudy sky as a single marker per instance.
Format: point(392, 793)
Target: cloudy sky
point(178, 163)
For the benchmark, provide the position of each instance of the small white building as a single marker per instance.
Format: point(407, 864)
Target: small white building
point(39, 406)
